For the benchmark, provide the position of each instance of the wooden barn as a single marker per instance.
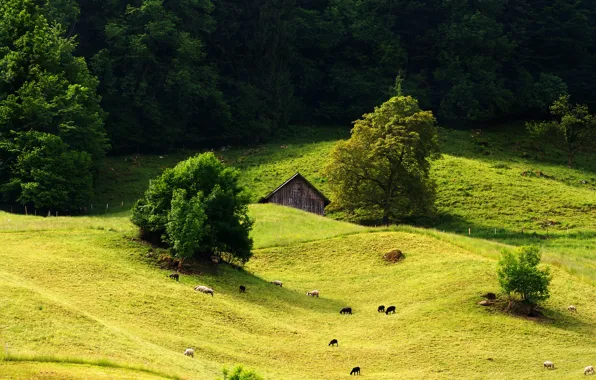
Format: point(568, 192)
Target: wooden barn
point(297, 192)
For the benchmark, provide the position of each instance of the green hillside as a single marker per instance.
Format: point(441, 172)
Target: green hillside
point(496, 184)
point(80, 288)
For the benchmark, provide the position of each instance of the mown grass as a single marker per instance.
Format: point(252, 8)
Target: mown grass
point(71, 367)
point(93, 294)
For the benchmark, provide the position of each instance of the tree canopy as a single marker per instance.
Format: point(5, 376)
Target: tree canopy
point(519, 275)
point(51, 124)
point(198, 209)
point(573, 131)
point(382, 171)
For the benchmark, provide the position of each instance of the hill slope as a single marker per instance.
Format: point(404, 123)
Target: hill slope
point(83, 288)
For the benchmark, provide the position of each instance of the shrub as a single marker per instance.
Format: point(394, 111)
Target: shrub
point(520, 276)
point(239, 373)
point(198, 209)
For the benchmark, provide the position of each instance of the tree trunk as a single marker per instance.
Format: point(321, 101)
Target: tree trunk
point(386, 216)
point(569, 159)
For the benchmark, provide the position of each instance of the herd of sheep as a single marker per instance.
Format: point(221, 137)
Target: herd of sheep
point(589, 370)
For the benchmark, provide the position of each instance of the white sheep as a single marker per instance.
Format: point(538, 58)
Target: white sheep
point(189, 352)
point(278, 283)
point(572, 308)
point(548, 364)
point(314, 293)
point(204, 289)
point(589, 369)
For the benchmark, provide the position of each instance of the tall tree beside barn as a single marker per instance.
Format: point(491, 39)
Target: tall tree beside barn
point(382, 171)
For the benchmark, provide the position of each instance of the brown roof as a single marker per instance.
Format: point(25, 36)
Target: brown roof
point(300, 176)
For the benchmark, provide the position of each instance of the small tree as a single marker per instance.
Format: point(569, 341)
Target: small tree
point(573, 132)
point(382, 171)
point(519, 275)
point(198, 209)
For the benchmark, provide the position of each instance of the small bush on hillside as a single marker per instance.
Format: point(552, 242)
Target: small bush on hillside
point(520, 276)
point(198, 209)
point(239, 373)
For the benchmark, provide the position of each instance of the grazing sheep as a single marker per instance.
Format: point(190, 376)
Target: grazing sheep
point(355, 371)
point(572, 308)
point(381, 309)
point(189, 352)
point(242, 289)
point(548, 364)
point(314, 293)
point(204, 289)
point(175, 276)
point(390, 309)
point(333, 342)
point(278, 283)
point(346, 310)
point(589, 369)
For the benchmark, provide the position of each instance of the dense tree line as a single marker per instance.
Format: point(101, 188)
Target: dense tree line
point(179, 73)
point(157, 75)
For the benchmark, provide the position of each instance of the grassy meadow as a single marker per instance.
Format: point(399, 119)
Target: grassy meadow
point(81, 297)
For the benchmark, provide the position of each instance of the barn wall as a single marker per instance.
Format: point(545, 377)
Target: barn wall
point(299, 195)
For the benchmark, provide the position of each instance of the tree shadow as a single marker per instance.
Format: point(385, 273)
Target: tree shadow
point(264, 294)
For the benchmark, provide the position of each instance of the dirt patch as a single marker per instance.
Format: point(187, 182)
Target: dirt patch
point(394, 256)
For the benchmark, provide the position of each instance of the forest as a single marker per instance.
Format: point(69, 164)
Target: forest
point(90, 77)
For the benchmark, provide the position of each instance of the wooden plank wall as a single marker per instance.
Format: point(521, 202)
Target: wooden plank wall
point(299, 195)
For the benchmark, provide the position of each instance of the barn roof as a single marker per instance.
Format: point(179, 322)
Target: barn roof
point(296, 176)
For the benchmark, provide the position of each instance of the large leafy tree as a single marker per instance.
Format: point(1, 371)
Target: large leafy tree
point(44, 88)
point(197, 208)
point(157, 83)
point(573, 130)
point(382, 171)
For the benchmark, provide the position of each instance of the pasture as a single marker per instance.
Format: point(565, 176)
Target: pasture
point(81, 297)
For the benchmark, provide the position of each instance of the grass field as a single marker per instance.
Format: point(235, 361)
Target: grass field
point(80, 298)
point(80, 288)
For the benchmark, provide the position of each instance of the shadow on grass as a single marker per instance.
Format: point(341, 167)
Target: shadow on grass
point(262, 292)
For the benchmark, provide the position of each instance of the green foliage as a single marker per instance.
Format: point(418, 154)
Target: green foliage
point(46, 173)
point(186, 228)
point(157, 82)
point(239, 373)
point(573, 132)
point(45, 89)
point(519, 275)
point(198, 208)
point(382, 171)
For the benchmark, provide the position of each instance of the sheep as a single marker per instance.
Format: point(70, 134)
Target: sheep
point(589, 369)
point(333, 342)
point(572, 308)
point(314, 293)
point(381, 309)
point(346, 310)
point(390, 309)
point(278, 283)
point(242, 289)
point(548, 364)
point(175, 276)
point(189, 352)
point(355, 371)
point(204, 289)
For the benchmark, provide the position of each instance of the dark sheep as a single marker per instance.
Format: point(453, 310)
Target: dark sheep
point(346, 310)
point(333, 342)
point(355, 371)
point(175, 276)
point(390, 309)
point(242, 289)
point(381, 309)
